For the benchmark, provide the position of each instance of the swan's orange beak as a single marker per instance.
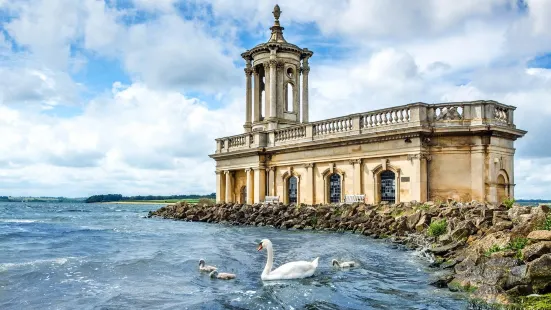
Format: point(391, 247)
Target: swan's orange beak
point(259, 247)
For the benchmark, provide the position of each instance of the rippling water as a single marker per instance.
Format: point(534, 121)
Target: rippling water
point(107, 256)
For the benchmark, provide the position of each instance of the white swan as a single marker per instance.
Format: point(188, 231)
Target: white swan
point(222, 275)
point(207, 268)
point(343, 264)
point(291, 270)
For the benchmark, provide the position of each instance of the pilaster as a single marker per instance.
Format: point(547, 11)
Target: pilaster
point(229, 186)
point(271, 181)
point(248, 97)
point(250, 186)
point(259, 185)
point(357, 164)
point(305, 70)
point(310, 193)
point(220, 188)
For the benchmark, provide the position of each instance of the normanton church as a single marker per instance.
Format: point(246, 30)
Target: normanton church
point(413, 152)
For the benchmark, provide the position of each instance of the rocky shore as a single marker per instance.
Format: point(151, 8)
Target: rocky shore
point(500, 254)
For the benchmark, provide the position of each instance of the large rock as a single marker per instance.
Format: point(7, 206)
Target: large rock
point(542, 235)
point(413, 219)
point(536, 250)
point(539, 272)
point(517, 276)
point(516, 211)
point(463, 230)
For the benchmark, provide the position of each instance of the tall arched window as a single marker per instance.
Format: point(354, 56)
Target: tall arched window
point(263, 98)
point(335, 188)
point(292, 186)
point(289, 97)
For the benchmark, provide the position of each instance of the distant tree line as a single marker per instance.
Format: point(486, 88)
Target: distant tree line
point(119, 197)
point(39, 199)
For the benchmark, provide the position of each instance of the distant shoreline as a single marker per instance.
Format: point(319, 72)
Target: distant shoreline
point(137, 203)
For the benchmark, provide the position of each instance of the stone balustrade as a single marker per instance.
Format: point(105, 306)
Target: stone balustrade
point(392, 116)
point(331, 126)
point(290, 133)
point(474, 113)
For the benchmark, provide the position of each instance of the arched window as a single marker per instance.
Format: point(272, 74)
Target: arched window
point(501, 189)
point(263, 98)
point(388, 186)
point(289, 97)
point(292, 186)
point(335, 188)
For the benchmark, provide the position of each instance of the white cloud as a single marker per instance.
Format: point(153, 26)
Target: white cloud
point(153, 135)
point(139, 135)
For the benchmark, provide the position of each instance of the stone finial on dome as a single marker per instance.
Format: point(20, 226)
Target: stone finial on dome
point(277, 30)
point(277, 13)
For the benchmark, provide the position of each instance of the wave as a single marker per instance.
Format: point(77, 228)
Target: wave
point(53, 261)
point(18, 221)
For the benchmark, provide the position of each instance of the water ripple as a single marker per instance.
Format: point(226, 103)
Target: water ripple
point(81, 256)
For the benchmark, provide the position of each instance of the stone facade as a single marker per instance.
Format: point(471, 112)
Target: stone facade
point(414, 152)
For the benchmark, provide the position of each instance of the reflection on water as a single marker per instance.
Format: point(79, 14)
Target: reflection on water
point(79, 256)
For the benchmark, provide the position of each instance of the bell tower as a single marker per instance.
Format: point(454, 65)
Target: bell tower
point(276, 71)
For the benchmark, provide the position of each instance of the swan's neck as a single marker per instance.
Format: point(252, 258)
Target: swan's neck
point(269, 261)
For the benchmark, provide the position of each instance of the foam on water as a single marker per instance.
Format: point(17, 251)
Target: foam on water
point(79, 256)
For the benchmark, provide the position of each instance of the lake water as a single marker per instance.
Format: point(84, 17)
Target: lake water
point(108, 256)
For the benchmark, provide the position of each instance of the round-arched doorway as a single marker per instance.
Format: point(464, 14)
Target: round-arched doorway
point(335, 188)
point(388, 186)
point(292, 189)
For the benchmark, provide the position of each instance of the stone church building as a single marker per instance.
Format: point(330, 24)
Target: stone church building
point(417, 151)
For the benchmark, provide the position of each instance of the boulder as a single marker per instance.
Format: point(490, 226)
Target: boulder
point(413, 219)
point(516, 211)
point(441, 250)
point(536, 250)
point(539, 272)
point(463, 230)
point(517, 276)
point(541, 235)
point(503, 225)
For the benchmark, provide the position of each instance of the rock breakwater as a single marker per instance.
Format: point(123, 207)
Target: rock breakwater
point(498, 254)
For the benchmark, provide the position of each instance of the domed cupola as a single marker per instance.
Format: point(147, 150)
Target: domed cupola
point(276, 67)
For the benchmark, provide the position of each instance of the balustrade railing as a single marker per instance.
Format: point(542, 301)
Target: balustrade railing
point(290, 133)
point(446, 111)
point(332, 126)
point(474, 113)
point(385, 117)
point(501, 114)
point(237, 141)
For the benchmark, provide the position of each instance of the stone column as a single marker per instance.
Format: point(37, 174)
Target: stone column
point(229, 187)
point(357, 164)
point(309, 196)
point(305, 70)
point(256, 96)
point(296, 97)
point(250, 186)
point(248, 96)
point(220, 189)
point(273, 84)
point(259, 185)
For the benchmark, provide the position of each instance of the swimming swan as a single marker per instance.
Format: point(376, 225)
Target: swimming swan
point(291, 270)
point(207, 268)
point(343, 264)
point(222, 275)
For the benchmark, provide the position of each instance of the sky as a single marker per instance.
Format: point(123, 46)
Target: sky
point(109, 96)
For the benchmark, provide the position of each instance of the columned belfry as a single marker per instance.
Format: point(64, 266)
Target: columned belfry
point(273, 82)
